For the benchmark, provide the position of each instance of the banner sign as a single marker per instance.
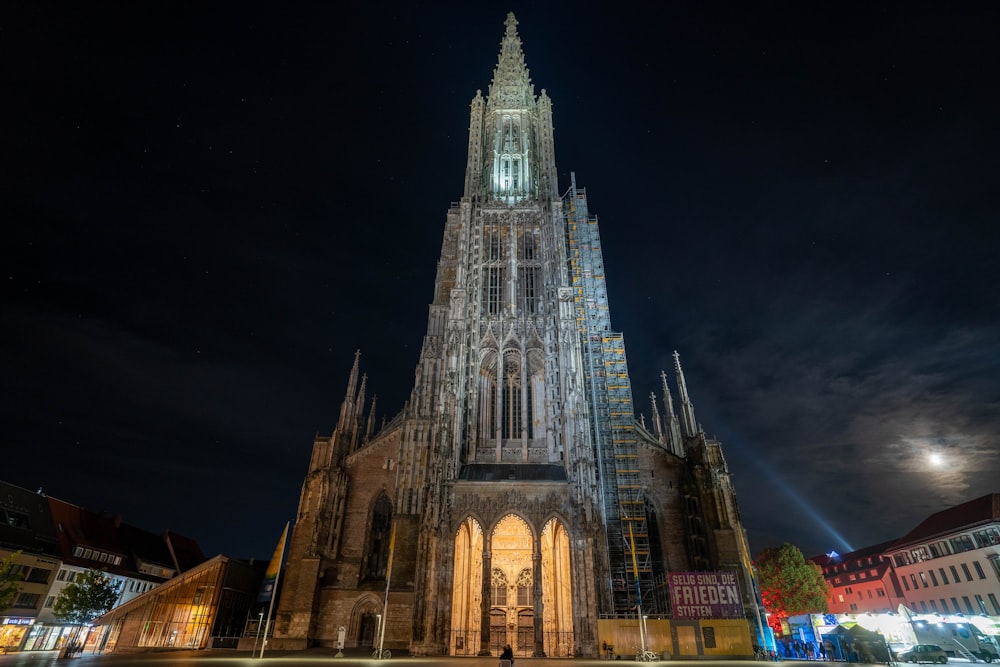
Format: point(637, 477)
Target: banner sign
point(271, 574)
point(705, 595)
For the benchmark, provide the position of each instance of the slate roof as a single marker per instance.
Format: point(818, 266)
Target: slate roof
point(851, 558)
point(968, 515)
point(77, 526)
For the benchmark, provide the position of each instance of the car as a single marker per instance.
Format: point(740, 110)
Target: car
point(924, 653)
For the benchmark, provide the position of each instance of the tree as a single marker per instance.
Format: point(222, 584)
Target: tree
point(789, 584)
point(91, 594)
point(10, 577)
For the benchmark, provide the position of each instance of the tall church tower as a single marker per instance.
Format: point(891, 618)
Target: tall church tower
point(514, 500)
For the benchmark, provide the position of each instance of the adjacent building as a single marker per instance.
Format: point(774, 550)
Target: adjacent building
point(58, 541)
point(516, 499)
point(26, 526)
point(206, 606)
point(950, 563)
point(947, 567)
point(938, 584)
point(861, 581)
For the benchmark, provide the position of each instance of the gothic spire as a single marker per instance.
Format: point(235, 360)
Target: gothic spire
point(352, 380)
point(347, 407)
point(360, 402)
point(687, 410)
point(371, 418)
point(511, 86)
point(656, 418)
point(673, 425)
point(668, 401)
point(359, 408)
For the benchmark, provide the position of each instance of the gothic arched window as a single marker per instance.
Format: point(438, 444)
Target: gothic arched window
point(492, 290)
point(511, 424)
point(493, 269)
point(529, 289)
point(378, 540)
point(498, 582)
point(524, 585)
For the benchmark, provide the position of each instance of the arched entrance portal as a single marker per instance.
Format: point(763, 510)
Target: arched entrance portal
point(504, 581)
point(466, 593)
point(363, 624)
point(557, 592)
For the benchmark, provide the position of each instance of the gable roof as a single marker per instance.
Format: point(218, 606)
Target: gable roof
point(968, 515)
point(79, 527)
point(852, 557)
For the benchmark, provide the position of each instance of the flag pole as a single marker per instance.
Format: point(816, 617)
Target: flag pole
point(638, 590)
point(274, 593)
point(385, 603)
point(388, 568)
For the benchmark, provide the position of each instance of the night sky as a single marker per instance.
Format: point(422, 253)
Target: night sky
point(209, 206)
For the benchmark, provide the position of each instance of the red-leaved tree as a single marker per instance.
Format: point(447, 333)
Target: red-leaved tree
point(789, 584)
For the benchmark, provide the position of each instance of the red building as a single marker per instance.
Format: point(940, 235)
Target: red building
point(860, 581)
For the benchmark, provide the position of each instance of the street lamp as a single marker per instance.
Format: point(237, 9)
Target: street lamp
point(260, 622)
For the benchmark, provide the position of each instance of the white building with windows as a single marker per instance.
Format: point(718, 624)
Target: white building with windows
point(128, 589)
point(950, 563)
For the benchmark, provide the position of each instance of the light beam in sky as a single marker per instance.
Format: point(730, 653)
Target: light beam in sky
point(801, 503)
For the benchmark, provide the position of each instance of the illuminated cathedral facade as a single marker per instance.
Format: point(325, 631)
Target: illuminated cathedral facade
point(516, 499)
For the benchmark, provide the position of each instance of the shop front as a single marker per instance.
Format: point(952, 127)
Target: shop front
point(25, 633)
point(44, 637)
point(13, 630)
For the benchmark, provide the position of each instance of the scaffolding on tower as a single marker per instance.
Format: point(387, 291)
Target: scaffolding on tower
point(632, 577)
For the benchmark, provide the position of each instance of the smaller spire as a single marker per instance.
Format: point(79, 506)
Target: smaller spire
point(347, 424)
point(359, 409)
point(352, 380)
point(671, 422)
point(347, 428)
point(347, 407)
point(656, 417)
point(668, 401)
point(361, 393)
point(371, 418)
point(687, 409)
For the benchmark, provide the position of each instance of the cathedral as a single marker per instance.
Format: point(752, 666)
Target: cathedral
point(516, 499)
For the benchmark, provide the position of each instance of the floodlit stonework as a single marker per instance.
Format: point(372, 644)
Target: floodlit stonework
point(515, 499)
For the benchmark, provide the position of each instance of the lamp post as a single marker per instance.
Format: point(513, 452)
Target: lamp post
point(260, 621)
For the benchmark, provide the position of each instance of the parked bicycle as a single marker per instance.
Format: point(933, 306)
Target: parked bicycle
point(386, 654)
point(645, 655)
